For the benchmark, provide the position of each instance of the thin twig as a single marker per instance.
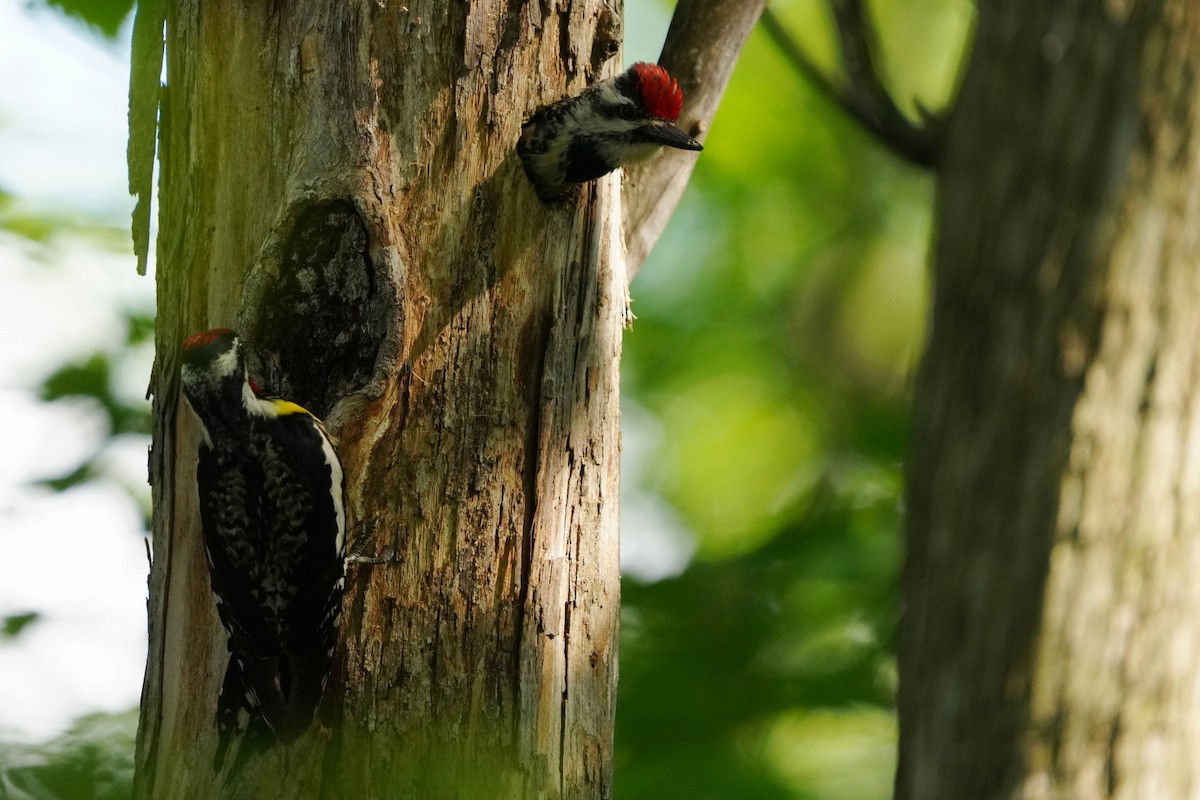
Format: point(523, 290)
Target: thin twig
point(794, 53)
point(863, 96)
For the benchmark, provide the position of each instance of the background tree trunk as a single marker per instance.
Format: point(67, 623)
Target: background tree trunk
point(340, 184)
point(1051, 635)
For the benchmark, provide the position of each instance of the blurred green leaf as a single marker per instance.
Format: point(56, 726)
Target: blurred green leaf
point(69, 480)
point(141, 328)
point(713, 658)
point(103, 16)
point(13, 625)
point(41, 227)
point(88, 378)
point(38, 229)
point(93, 760)
point(92, 379)
point(837, 755)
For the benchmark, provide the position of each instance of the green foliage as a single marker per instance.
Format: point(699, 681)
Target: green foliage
point(12, 625)
point(40, 227)
point(91, 761)
point(103, 16)
point(92, 381)
point(32, 227)
point(778, 323)
point(711, 658)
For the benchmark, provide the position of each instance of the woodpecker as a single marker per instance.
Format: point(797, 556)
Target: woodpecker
point(611, 124)
point(274, 525)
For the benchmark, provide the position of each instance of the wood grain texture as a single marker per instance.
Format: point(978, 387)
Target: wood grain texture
point(1052, 620)
point(476, 406)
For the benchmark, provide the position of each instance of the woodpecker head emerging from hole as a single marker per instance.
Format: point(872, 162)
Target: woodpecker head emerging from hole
point(611, 124)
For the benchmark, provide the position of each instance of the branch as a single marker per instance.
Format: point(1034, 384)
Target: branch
point(863, 97)
point(702, 47)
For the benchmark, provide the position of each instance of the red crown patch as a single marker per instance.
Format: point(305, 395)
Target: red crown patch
point(204, 337)
point(661, 94)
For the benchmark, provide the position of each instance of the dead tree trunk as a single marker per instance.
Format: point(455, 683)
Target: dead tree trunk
point(1051, 633)
point(339, 184)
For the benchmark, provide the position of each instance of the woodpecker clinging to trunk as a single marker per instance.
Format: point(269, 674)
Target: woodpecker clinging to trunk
point(613, 123)
point(274, 523)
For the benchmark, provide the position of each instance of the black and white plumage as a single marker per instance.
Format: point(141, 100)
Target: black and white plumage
point(272, 512)
point(611, 124)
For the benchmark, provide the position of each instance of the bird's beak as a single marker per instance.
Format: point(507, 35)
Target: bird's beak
point(668, 135)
